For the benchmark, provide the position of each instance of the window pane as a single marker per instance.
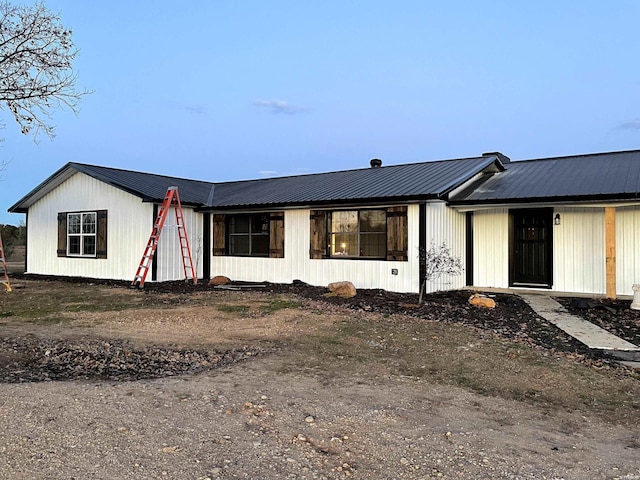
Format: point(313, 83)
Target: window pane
point(74, 223)
point(344, 221)
point(373, 221)
point(259, 224)
point(89, 245)
point(239, 244)
point(74, 245)
point(239, 224)
point(89, 223)
point(373, 245)
point(260, 245)
point(344, 244)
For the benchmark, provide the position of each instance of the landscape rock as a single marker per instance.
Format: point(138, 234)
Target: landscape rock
point(482, 301)
point(219, 280)
point(342, 289)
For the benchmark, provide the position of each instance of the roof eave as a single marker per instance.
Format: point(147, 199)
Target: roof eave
point(55, 179)
point(551, 199)
point(324, 203)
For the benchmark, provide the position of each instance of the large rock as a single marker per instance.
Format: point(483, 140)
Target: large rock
point(219, 280)
point(482, 301)
point(342, 289)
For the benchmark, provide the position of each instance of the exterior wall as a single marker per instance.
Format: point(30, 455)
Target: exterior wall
point(168, 256)
point(491, 248)
point(627, 249)
point(296, 263)
point(128, 227)
point(129, 224)
point(579, 251)
point(446, 225)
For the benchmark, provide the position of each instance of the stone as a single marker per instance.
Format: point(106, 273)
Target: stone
point(482, 301)
point(342, 289)
point(219, 280)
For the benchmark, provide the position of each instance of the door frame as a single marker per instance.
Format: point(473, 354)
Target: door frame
point(547, 213)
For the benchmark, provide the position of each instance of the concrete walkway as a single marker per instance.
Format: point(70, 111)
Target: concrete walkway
point(588, 333)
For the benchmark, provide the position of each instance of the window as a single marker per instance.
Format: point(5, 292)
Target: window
point(380, 234)
point(256, 234)
point(358, 233)
point(248, 235)
point(82, 234)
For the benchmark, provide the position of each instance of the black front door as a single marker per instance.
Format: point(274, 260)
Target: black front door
point(531, 251)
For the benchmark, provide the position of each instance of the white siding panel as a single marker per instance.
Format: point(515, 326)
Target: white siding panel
point(491, 248)
point(627, 249)
point(129, 223)
point(168, 254)
point(296, 263)
point(445, 225)
point(579, 251)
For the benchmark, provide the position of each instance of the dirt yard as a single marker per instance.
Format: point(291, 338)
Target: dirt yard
point(106, 382)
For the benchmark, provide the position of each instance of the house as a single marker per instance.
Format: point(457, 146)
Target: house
point(560, 224)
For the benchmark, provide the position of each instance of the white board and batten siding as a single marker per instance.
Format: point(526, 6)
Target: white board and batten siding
point(491, 248)
point(448, 226)
point(168, 253)
point(579, 263)
point(627, 249)
point(578, 249)
point(125, 238)
point(129, 224)
point(296, 264)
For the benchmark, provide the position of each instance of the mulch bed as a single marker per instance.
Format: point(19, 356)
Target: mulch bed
point(511, 318)
point(29, 358)
point(615, 316)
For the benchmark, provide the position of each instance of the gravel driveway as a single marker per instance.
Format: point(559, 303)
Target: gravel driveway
point(250, 420)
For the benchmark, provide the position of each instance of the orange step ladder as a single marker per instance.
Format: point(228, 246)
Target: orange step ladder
point(172, 198)
point(3, 264)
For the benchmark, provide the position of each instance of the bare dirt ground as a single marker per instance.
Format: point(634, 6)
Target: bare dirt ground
point(284, 383)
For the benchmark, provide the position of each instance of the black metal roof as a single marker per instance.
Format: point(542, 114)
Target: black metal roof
point(603, 176)
point(411, 181)
point(148, 186)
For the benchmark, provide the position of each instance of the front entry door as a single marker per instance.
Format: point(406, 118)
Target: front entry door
point(531, 252)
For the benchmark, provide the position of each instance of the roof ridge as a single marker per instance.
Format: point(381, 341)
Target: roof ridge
point(73, 164)
point(563, 157)
point(383, 167)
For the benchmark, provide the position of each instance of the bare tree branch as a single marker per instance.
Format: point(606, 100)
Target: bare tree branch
point(36, 71)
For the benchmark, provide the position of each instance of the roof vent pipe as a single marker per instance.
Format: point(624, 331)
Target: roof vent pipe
point(375, 163)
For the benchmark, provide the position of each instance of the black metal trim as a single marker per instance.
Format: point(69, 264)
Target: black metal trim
point(469, 248)
point(422, 240)
point(206, 245)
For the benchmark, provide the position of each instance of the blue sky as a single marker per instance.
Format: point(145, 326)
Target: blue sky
point(227, 90)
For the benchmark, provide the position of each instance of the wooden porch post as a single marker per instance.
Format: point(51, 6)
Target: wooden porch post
point(610, 247)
